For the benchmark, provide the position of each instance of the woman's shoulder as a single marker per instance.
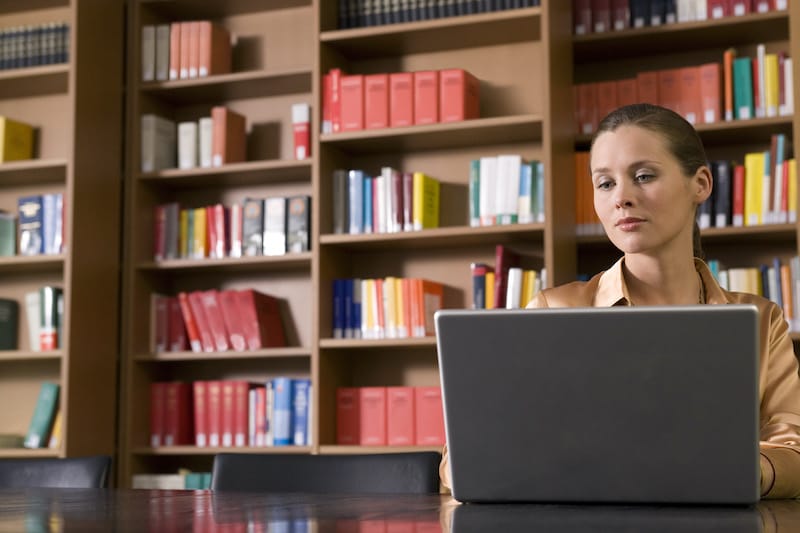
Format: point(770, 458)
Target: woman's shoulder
point(573, 294)
point(763, 304)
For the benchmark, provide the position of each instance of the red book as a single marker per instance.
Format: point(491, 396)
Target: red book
point(740, 7)
point(158, 394)
point(376, 101)
point(352, 102)
point(214, 49)
point(175, 50)
point(192, 331)
point(347, 415)
point(185, 37)
point(691, 94)
point(620, 14)
point(647, 87)
point(194, 48)
point(241, 410)
point(214, 410)
point(199, 389)
point(426, 97)
point(429, 416)
point(216, 323)
point(711, 92)
point(587, 108)
point(372, 416)
point(160, 322)
point(718, 8)
point(738, 195)
point(504, 258)
point(219, 245)
point(227, 414)
point(459, 95)
point(200, 318)
point(336, 99)
point(160, 232)
point(178, 414)
point(627, 92)
point(177, 330)
point(400, 416)
point(327, 126)
point(601, 16)
point(581, 17)
point(401, 99)
point(261, 319)
point(228, 137)
point(607, 100)
point(229, 304)
point(669, 89)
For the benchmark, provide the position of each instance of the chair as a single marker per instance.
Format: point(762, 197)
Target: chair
point(74, 472)
point(389, 473)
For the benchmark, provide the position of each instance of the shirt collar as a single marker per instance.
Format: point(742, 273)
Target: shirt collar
point(611, 289)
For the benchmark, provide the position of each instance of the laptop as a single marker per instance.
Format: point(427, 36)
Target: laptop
point(602, 405)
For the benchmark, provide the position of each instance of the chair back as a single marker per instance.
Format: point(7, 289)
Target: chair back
point(72, 472)
point(389, 473)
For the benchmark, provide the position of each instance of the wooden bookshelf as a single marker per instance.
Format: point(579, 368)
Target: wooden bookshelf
point(76, 110)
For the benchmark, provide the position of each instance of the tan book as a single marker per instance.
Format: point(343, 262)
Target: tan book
point(214, 49)
point(228, 139)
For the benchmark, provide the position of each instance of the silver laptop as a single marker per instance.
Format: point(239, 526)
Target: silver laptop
point(623, 404)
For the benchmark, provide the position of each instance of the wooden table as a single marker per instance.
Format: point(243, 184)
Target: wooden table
point(42, 510)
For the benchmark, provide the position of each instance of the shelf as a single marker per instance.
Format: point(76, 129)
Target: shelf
point(437, 237)
point(293, 261)
point(194, 450)
point(334, 449)
point(28, 355)
point(214, 9)
point(476, 132)
point(685, 36)
point(25, 453)
point(31, 263)
point(271, 353)
point(233, 86)
point(33, 171)
point(746, 235)
point(247, 173)
point(485, 29)
point(34, 81)
point(377, 343)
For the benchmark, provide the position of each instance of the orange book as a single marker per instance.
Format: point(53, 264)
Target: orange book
point(647, 87)
point(372, 416)
point(431, 299)
point(691, 96)
point(786, 292)
point(429, 416)
point(175, 50)
point(710, 93)
point(426, 97)
point(199, 389)
point(459, 95)
point(347, 415)
point(214, 410)
point(192, 331)
point(185, 49)
point(627, 93)
point(727, 83)
point(241, 410)
point(194, 48)
point(587, 108)
point(214, 49)
point(376, 101)
point(228, 138)
point(606, 98)
point(227, 416)
point(352, 102)
point(737, 208)
point(400, 416)
point(401, 99)
point(669, 89)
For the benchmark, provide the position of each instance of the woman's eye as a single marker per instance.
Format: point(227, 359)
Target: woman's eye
point(605, 185)
point(644, 177)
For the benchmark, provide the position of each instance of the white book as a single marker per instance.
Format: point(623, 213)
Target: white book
point(33, 304)
point(148, 52)
point(158, 139)
point(158, 481)
point(236, 219)
point(788, 88)
point(162, 52)
point(488, 188)
point(187, 145)
point(686, 11)
point(700, 9)
point(509, 168)
point(275, 226)
point(205, 127)
point(379, 207)
point(514, 288)
point(761, 103)
point(355, 204)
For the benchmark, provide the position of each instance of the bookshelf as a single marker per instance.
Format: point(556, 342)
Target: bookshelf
point(76, 110)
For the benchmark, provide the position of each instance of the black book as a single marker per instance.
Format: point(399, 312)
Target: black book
point(723, 185)
point(9, 324)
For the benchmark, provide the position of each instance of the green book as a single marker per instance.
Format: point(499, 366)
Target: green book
point(9, 324)
point(8, 234)
point(743, 105)
point(193, 481)
point(43, 414)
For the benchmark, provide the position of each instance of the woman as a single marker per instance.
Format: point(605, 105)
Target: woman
point(649, 174)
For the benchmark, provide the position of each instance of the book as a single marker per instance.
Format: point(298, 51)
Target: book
point(505, 258)
point(232, 318)
point(282, 412)
point(8, 234)
point(16, 140)
point(44, 412)
point(372, 416)
point(148, 43)
point(425, 211)
point(187, 145)
point(162, 46)
point(429, 416)
point(743, 103)
point(400, 420)
point(341, 217)
point(9, 324)
point(459, 95)
point(352, 102)
point(214, 49)
point(253, 227)
point(48, 321)
point(261, 319)
point(275, 225)
point(159, 143)
point(347, 416)
point(31, 225)
point(298, 224)
point(301, 404)
point(376, 101)
point(228, 140)
point(177, 414)
point(401, 99)
point(426, 97)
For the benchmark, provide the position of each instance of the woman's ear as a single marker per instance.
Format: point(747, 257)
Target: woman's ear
point(703, 184)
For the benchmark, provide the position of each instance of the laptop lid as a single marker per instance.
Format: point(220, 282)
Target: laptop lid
point(622, 404)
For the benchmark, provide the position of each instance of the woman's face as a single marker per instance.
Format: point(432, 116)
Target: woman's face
point(644, 201)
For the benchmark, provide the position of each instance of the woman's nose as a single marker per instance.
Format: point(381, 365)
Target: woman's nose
point(623, 196)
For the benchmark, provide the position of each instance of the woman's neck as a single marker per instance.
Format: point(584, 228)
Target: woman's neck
point(651, 281)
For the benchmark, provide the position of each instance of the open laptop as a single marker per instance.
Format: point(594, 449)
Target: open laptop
point(602, 405)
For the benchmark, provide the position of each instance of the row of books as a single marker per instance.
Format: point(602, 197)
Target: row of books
point(521, 285)
point(185, 49)
point(390, 202)
point(388, 307)
point(389, 416)
point(228, 413)
point(599, 16)
point(36, 229)
point(505, 189)
point(216, 321)
point(34, 45)
point(44, 315)
point(258, 226)
point(182, 480)
point(361, 13)
point(356, 102)
point(16, 140)
point(211, 141)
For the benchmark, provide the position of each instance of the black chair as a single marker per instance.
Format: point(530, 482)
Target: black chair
point(73, 473)
point(382, 473)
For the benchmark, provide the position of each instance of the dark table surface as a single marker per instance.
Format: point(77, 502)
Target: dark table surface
point(41, 510)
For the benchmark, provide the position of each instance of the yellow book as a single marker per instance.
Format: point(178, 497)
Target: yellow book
point(792, 190)
point(16, 140)
point(400, 310)
point(528, 286)
point(369, 308)
point(753, 184)
point(425, 201)
point(56, 432)
point(489, 290)
point(390, 307)
point(199, 234)
point(183, 234)
point(771, 84)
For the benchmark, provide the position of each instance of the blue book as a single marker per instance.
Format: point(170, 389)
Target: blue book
point(743, 104)
point(338, 309)
point(282, 412)
point(301, 399)
point(355, 180)
point(368, 184)
point(31, 225)
point(347, 306)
